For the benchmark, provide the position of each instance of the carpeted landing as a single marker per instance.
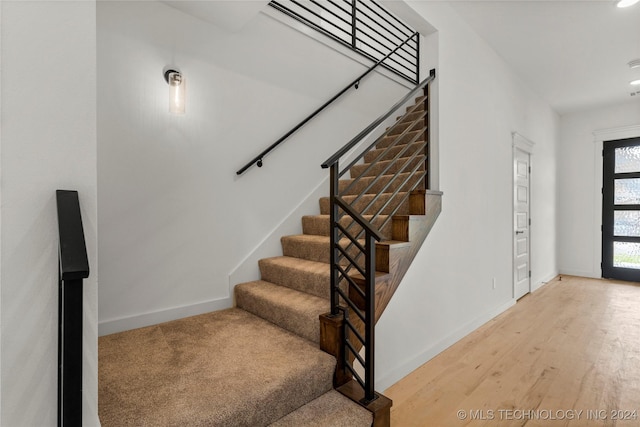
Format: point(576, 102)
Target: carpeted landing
point(227, 368)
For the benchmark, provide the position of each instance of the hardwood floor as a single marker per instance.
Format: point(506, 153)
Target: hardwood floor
point(566, 355)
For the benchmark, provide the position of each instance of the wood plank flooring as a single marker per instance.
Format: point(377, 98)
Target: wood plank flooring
point(566, 355)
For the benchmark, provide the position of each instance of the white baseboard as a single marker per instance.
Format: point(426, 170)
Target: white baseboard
point(387, 379)
point(541, 283)
point(580, 273)
point(112, 326)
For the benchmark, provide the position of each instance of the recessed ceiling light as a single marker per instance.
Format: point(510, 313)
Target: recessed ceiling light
point(635, 63)
point(627, 3)
point(636, 82)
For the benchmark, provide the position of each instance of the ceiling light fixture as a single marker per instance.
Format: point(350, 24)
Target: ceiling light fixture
point(635, 63)
point(635, 82)
point(626, 3)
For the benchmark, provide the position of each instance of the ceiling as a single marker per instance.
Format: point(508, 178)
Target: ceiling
point(575, 54)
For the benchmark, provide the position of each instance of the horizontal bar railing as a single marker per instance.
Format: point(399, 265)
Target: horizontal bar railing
point(72, 269)
point(258, 160)
point(353, 237)
point(355, 23)
point(377, 122)
point(402, 169)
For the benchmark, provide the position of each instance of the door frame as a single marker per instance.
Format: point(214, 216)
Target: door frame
point(609, 271)
point(521, 143)
point(599, 136)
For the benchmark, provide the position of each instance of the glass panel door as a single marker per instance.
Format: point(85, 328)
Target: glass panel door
point(621, 210)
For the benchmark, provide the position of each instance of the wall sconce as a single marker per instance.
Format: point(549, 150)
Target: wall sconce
point(177, 89)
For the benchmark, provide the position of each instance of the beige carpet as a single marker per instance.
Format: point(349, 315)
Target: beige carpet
point(259, 363)
point(227, 368)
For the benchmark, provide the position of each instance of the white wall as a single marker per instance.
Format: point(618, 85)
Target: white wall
point(580, 181)
point(174, 219)
point(48, 106)
point(0, 211)
point(448, 292)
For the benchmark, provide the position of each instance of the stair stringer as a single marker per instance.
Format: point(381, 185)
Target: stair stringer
point(397, 258)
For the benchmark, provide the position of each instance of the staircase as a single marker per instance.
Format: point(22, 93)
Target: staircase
point(262, 362)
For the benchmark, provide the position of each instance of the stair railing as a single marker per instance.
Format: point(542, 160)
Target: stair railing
point(352, 278)
point(73, 267)
point(259, 159)
point(364, 26)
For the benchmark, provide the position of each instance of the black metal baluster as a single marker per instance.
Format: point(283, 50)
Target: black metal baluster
point(354, 25)
point(370, 304)
point(333, 244)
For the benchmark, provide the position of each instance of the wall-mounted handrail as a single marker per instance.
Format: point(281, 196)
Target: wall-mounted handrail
point(377, 122)
point(355, 83)
point(72, 269)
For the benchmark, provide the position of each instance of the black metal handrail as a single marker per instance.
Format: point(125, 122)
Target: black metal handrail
point(72, 269)
point(377, 122)
point(258, 160)
point(349, 246)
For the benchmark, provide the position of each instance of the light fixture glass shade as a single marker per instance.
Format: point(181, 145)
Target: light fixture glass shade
point(626, 3)
point(177, 92)
point(635, 83)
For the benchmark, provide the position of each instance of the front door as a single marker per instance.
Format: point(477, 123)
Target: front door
point(621, 210)
point(521, 222)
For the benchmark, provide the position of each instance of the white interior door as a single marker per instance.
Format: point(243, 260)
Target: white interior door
point(521, 222)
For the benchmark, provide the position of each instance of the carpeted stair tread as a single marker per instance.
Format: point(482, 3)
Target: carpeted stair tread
point(419, 100)
point(226, 368)
point(332, 409)
point(401, 126)
point(312, 247)
point(319, 224)
point(404, 165)
point(385, 141)
point(295, 311)
point(303, 275)
point(379, 184)
point(389, 153)
point(306, 246)
point(413, 116)
point(398, 200)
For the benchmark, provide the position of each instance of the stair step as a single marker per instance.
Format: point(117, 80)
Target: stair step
point(295, 311)
point(306, 246)
point(367, 198)
point(419, 100)
point(385, 141)
point(411, 117)
point(319, 224)
point(399, 165)
point(223, 368)
point(381, 154)
point(331, 409)
point(360, 281)
point(403, 125)
point(314, 248)
point(300, 274)
point(379, 183)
